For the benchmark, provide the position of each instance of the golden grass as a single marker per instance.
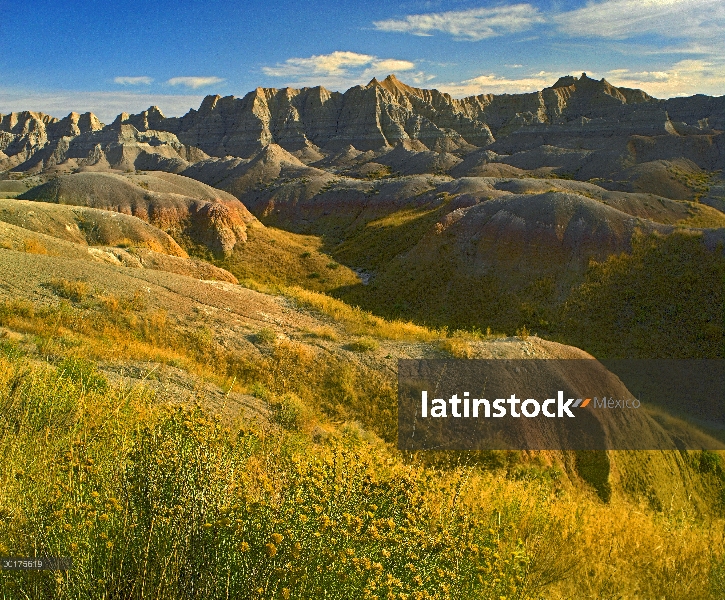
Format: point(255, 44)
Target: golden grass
point(76, 291)
point(456, 347)
point(363, 344)
point(375, 244)
point(32, 246)
point(323, 333)
point(359, 322)
point(703, 216)
point(142, 495)
point(138, 493)
point(274, 257)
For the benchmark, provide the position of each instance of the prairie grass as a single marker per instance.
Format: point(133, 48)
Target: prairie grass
point(32, 246)
point(75, 291)
point(153, 501)
point(363, 344)
point(323, 333)
point(381, 239)
point(664, 300)
point(457, 347)
point(274, 257)
point(360, 322)
point(134, 332)
point(156, 502)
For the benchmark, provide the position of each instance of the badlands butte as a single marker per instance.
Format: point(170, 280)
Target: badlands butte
point(272, 256)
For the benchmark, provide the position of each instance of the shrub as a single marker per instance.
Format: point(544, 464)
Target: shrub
point(363, 344)
point(266, 335)
point(76, 291)
point(290, 412)
point(456, 347)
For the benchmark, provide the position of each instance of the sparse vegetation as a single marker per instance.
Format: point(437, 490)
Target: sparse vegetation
point(266, 335)
point(360, 322)
point(363, 344)
point(76, 291)
point(32, 246)
point(325, 333)
point(456, 346)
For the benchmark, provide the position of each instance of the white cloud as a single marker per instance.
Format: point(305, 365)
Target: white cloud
point(133, 80)
point(620, 19)
point(684, 78)
point(420, 78)
point(496, 84)
point(471, 25)
point(332, 64)
point(338, 70)
point(105, 105)
point(392, 65)
point(194, 82)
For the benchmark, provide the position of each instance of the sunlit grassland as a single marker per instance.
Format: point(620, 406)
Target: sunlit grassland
point(108, 328)
point(153, 501)
point(159, 501)
point(276, 257)
point(383, 238)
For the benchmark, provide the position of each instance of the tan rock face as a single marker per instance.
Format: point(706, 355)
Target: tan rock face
point(241, 143)
point(367, 117)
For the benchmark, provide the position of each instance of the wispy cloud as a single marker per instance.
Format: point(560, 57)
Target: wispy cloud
point(105, 105)
point(621, 19)
point(336, 63)
point(683, 78)
point(133, 80)
point(194, 82)
point(338, 70)
point(472, 25)
point(697, 24)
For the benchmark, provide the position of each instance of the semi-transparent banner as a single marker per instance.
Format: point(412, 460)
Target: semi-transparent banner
point(557, 404)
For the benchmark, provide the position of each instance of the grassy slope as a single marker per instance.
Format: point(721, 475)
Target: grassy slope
point(665, 300)
point(274, 256)
point(112, 473)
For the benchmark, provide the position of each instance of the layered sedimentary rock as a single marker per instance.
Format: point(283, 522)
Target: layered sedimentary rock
point(35, 141)
point(579, 127)
point(180, 206)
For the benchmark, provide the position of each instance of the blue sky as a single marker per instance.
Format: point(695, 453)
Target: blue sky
point(113, 56)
